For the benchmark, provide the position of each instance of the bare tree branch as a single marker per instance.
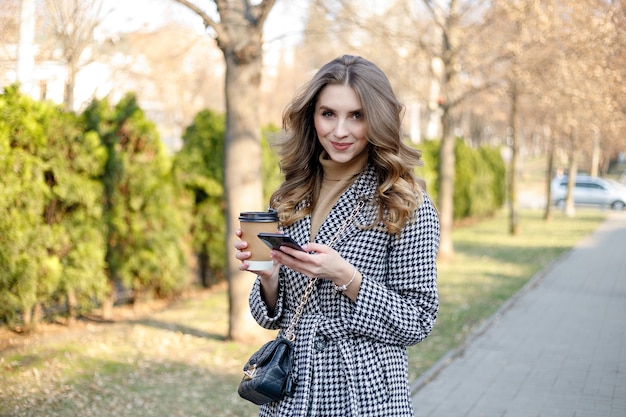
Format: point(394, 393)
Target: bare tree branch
point(260, 12)
point(206, 19)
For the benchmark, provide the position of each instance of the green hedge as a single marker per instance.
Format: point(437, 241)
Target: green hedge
point(88, 206)
point(479, 179)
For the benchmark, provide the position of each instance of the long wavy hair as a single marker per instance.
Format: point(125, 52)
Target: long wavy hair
point(399, 191)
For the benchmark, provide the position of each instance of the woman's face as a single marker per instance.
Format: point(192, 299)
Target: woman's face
point(340, 124)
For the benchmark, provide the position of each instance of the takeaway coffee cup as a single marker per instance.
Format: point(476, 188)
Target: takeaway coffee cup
point(251, 224)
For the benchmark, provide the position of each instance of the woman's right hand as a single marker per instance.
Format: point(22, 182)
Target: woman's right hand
point(242, 254)
point(269, 278)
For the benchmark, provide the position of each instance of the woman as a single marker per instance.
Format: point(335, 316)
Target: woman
point(350, 190)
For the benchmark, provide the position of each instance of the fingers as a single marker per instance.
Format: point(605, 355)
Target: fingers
point(243, 266)
point(241, 254)
point(240, 244)
point(309, 264)
point(294, 253)
point(317, 261)
point(315, 247)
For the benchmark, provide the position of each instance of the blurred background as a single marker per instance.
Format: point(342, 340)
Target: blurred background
point(565, 59)
point(115, 124)
point(133, 132)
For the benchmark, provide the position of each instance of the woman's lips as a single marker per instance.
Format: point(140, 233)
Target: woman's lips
point(341, 146)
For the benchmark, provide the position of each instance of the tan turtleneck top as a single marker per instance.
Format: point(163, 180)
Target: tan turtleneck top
point(337, 178)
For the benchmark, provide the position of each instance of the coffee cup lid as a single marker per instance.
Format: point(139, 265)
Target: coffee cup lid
point(258, 216)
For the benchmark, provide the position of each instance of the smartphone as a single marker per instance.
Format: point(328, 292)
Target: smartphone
point(276, 240)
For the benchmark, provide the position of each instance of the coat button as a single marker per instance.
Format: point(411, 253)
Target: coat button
point(320, 343)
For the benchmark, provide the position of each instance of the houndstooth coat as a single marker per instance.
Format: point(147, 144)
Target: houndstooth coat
point(350, 357)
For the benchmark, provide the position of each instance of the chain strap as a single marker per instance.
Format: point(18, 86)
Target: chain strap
point(290, 332)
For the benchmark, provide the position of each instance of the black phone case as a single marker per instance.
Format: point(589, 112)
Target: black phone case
point(276, 240)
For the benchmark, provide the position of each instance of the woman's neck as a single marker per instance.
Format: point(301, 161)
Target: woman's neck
point(337, 178)
point(337, 171)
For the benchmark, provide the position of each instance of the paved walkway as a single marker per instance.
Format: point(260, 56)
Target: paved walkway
point(556, 349)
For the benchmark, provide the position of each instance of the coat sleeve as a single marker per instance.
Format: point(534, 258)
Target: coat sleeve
point(261, 313)
point(402, 310)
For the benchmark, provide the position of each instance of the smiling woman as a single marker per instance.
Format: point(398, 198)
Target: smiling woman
point(339, 123)
point(369, 270)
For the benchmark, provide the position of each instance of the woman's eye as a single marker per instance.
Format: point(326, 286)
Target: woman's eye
point(327, 114)
point(357, 115)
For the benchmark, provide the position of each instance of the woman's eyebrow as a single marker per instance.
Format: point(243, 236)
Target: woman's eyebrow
point(325, 107)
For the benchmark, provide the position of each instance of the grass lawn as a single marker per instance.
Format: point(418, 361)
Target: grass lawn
point(175, 362)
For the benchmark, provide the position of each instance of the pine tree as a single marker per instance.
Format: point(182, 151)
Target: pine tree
point(200, 170)
point(74, 166)
point(145, 228)
point(52, 246)
point(27, 271)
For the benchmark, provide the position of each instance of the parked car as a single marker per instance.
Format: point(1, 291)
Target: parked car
point(590, 191)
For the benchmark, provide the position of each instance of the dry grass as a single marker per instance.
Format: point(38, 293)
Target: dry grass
point(173, 362)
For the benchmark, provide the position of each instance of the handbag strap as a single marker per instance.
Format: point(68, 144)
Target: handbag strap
point(290, 332)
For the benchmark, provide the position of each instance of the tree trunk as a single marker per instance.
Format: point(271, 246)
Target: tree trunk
point(27, 317)
point(70, 82)
point(68, 94)
point(108, 301)
point(447, 164)
point(242, 176)
point(72, 306)
point(26, 46)
point(202, 261)
point(239, 34)
point(549, 176)
point(570, 209)
point(139, 296)
point(513, 209)
point(446, 188)
point(32, 317)
point(595, 155)
point(37, 315)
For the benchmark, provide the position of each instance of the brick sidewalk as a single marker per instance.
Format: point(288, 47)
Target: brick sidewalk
point(558, 349)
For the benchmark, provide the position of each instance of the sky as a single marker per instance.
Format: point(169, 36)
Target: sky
point(284, 24)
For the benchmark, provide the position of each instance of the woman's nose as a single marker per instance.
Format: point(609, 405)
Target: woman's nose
point(340, 129)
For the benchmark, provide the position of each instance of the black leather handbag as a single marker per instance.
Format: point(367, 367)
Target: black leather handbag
point(267, 376)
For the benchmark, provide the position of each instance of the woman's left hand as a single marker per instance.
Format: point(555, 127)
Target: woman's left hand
point(319, 261)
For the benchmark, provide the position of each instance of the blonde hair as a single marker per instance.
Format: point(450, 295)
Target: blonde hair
point(399, 191)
